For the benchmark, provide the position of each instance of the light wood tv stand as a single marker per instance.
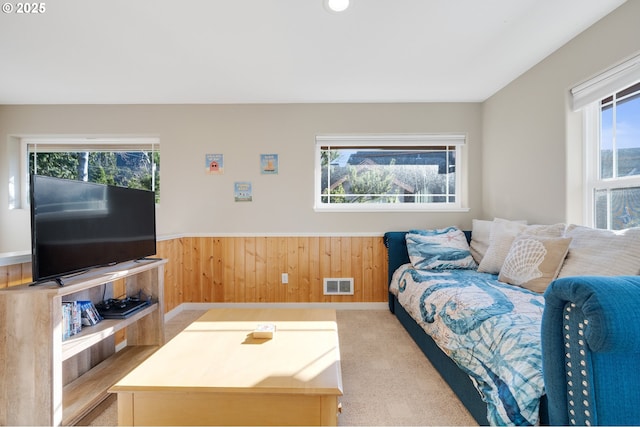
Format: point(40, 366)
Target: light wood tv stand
point(47, 381)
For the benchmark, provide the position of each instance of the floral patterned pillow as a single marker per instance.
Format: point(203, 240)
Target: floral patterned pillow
point(439, 249)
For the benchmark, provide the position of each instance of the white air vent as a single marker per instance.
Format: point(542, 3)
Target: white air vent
point(338, 286)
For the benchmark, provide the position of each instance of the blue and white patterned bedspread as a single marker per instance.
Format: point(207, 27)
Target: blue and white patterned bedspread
point(489, 328)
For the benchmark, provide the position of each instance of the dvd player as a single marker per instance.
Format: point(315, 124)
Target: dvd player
point(121, 309)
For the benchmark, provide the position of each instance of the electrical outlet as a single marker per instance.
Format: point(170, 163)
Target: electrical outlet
point(285, 278)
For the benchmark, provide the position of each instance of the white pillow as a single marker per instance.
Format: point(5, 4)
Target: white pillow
point(602, 252)
point(554, 230)
point(480, 232)
point(502, 234)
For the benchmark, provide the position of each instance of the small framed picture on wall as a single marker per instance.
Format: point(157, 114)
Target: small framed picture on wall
point(269, 164)
point(242, 191)
point(214, 164)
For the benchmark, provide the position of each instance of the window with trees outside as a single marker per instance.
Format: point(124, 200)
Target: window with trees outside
point(388, 172)
point(124, 162)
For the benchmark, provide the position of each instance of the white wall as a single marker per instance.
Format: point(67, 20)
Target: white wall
point(193, 202)
point(532, 142)
point(524, 149)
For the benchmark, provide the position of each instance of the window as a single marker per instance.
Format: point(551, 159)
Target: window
point(388, 172)
point(616, 187)
point(125, 162)
point(611, 105)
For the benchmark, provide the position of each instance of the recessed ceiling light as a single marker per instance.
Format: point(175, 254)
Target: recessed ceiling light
point(336, 5)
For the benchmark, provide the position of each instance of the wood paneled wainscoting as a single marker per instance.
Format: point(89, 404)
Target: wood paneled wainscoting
point(249, 269)
point(15, 274)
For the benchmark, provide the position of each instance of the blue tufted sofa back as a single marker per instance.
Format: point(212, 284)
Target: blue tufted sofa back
point(591, 350)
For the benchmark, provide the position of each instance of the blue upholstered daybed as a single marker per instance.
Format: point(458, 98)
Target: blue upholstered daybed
point(580, 329)
point(459, 380)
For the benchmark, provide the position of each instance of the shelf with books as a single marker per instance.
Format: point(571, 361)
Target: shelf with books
point(91, 335)
point(48, 380)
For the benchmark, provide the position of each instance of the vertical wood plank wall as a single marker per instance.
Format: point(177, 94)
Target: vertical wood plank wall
point(11, 275)
point(249, 269)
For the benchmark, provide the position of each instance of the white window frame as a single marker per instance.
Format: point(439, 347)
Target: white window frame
point(384, 140)
point(68, 144)
point(587, 96)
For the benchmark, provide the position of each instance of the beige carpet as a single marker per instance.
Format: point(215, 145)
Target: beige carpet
point(387, 380)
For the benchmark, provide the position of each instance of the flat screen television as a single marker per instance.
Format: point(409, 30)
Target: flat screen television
point(77, 225)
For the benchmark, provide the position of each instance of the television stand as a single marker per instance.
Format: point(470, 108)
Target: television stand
point(45, 380)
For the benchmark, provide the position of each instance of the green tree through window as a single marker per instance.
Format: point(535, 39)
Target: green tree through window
point(130, 168)
point(398, 172)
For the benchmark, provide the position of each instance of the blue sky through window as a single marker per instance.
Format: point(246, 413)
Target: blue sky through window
point(620, 134)
point(627, 124)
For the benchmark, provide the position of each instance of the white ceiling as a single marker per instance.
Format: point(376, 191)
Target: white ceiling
point(279, 51)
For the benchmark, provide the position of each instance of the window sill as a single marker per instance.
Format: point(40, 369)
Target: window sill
point(381, 208)
point(12, 258)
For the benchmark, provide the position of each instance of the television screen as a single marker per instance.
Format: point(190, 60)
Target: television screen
point(77, 225)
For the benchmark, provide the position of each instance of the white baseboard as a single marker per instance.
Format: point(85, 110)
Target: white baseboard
point(334, 305)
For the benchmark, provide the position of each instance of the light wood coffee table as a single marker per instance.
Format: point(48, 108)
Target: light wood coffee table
point(215, 373)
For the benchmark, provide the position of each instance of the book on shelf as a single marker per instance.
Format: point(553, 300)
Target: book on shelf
point(71, 319)
point(89, 313)
point(75, 315)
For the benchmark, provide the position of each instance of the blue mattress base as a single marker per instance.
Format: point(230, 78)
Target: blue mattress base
point(457, 379)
